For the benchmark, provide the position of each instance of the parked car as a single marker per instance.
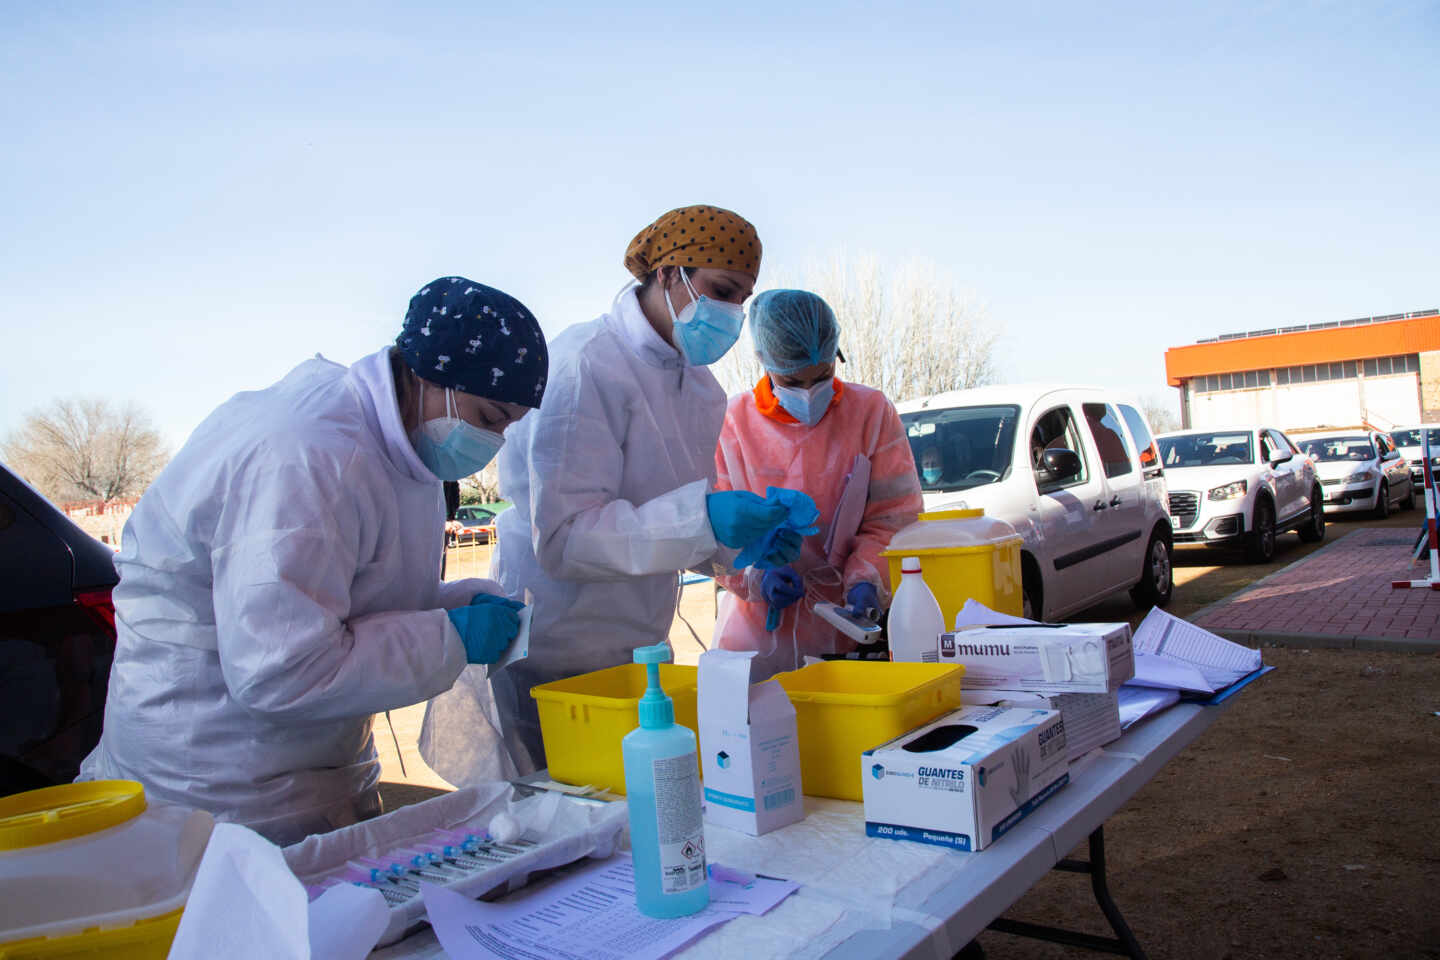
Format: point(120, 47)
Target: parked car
point(1407, 441)
point(1241, 486)
point(1074, 469)
point(1360, 470)
point(57, 639)
point(477, 525)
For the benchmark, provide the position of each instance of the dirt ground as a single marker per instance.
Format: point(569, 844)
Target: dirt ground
point(1303, 824)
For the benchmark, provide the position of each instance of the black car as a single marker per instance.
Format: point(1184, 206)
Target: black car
point(478, 525)
point(57, 639)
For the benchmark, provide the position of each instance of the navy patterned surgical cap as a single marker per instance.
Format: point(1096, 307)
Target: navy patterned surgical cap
point(475, 339)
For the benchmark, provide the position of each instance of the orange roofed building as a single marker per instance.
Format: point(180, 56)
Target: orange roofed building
point(1384, 371)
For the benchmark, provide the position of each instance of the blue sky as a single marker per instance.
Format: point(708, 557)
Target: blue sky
point(197, 199)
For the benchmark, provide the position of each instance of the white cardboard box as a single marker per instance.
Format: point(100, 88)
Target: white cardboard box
point(965, 779)
point(1043, 658)
point(750, 753)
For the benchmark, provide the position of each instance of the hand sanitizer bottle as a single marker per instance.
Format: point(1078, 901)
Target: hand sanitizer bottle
point(915, 621)
point(662, 785)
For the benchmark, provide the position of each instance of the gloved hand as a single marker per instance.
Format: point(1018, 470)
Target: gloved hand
point(739, 517)
point(862, 599)
point(783, 549)
point(782, 587)
point(496, 598)
point(486, 629)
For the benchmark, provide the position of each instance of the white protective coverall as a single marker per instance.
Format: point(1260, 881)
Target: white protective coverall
point(279, 585)
point(608, 480)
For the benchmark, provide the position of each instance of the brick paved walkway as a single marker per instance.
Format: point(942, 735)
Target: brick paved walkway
point(1339, 596)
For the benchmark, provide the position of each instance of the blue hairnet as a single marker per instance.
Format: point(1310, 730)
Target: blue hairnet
point(793, 329)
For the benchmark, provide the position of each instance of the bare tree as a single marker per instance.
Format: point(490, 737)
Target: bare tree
point(909, 331)
point(1161, 415)
point(483, 487)
point(86, 449)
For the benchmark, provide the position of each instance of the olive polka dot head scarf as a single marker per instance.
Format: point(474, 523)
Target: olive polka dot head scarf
point(695, 237)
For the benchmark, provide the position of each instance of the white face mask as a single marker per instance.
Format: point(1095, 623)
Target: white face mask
point(806, 404)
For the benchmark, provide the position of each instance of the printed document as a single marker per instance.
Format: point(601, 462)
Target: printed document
point(588, 914)
point(1218, 661)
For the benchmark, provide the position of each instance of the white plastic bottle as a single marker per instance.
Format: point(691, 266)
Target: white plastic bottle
point(915, 618)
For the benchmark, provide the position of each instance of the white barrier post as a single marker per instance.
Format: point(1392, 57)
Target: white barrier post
point(1432, 508)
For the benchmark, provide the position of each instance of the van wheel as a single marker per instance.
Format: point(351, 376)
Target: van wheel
point(1032, 595)
point(1157, 579)
point(1382, 501)
point(1313, 529)
point(1261, 546)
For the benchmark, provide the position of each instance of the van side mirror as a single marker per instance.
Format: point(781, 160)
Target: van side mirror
point(1061, 464)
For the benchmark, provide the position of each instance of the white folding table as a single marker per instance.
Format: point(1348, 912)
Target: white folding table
point(937, 914)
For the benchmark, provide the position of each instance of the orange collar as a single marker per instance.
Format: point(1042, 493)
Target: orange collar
point(769, 404)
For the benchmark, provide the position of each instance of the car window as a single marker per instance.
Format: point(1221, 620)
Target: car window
point(957, 448)
point(1289, 444)
point(1279, 446)
point(1333, 449)
point(1413, 438)
point(1144, 442)
point(1267, 447)
point(1056, 430)
point(1105, 428)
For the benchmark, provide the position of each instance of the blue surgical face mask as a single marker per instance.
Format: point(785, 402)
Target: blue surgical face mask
point(931, 474)
point(451, 448)
point(806, 404)
point(705, 329)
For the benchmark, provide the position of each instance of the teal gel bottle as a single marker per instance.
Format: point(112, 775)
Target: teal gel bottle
point(662, 785)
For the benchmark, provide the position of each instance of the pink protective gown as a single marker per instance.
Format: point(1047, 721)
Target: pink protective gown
point(761, 446)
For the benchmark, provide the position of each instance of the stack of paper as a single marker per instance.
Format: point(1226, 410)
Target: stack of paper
point(1218, 661)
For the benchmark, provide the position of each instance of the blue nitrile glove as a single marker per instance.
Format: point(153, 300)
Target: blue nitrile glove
point(740, 518)
point(784, 548)
point(781, 587)
point(863, 599)
point(486, 629)
point(480, 598)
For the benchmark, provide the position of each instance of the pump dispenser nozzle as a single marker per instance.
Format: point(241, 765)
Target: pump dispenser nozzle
point(656, 709)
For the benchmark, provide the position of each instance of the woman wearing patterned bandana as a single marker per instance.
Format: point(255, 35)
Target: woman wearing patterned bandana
point(280, 579)
point(612, 479)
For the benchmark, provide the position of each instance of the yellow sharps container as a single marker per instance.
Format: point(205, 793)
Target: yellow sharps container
point(91, 870)
point(963, 555)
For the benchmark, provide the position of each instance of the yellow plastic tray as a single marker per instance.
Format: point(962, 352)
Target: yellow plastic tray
point(584, 718)
point(845, 707)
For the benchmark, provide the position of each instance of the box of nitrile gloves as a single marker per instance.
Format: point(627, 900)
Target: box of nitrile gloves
point(963, 780)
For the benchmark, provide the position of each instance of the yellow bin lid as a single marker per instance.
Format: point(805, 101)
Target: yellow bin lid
point(71, 810)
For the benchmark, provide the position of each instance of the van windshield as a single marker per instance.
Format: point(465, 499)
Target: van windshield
point(958, 448)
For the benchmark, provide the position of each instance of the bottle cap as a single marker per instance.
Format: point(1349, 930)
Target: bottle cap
point(910, 565)
point(655, 709)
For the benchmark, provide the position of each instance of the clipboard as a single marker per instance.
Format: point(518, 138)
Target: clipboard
point(850, 510)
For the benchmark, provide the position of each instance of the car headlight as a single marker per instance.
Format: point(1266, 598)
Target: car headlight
point(1229, 491)
point(1361, 476)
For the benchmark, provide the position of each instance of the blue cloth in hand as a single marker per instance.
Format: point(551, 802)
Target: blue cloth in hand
point(739, 518)
point(781, 544)
point(863, 599)
point(486, 629)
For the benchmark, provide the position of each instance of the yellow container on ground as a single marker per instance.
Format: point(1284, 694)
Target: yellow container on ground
point(845, 707)
point(32, 824)
point(584, 718)
point(963, 555)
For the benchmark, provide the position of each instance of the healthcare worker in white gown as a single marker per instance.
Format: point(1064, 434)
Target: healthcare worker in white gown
point(280, 580)
point(612, 478)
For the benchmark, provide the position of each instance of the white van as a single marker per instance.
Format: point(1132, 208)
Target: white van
point(1077, 472)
